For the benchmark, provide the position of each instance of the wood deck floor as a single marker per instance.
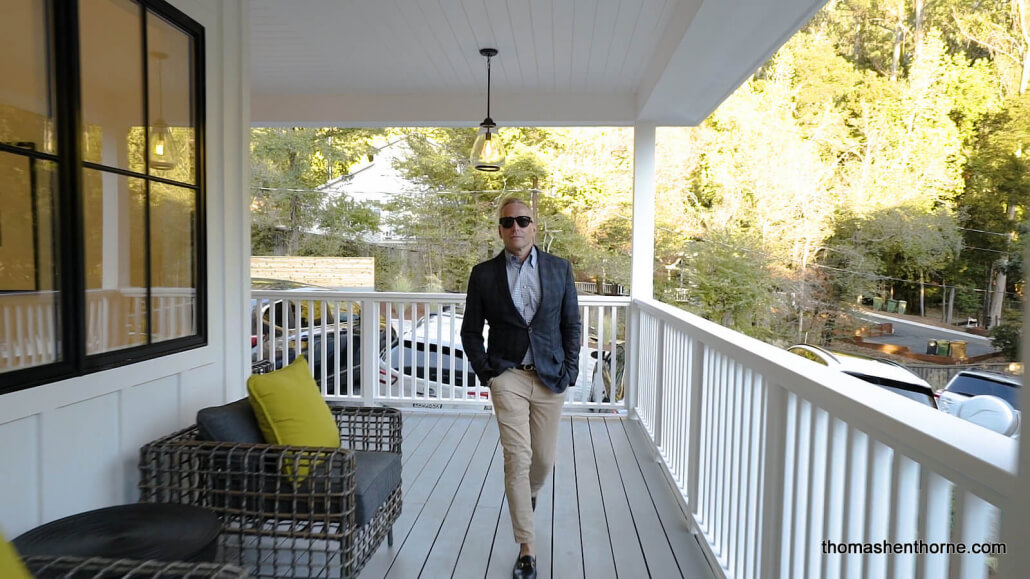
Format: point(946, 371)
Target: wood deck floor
point(607, 512)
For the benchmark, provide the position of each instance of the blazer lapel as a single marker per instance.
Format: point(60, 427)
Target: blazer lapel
point(543, 268)
point(502, 282)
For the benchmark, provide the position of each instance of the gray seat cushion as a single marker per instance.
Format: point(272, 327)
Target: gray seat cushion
point(232, 422)
point(376, 475)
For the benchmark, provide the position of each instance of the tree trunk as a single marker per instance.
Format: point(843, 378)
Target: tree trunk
point(1024, 77)
point(801, 302)
point(1022, 24)
point(856, 47)
point(899, 39)
point(998, 294)
point(1000, 280)
point(917, 33)
point(922, 296)
point(293, 235)
point(951, 306)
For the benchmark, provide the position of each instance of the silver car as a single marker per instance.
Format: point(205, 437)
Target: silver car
point(886, 374)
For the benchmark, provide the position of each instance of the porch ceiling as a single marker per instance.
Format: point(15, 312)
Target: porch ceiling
point(561, 62)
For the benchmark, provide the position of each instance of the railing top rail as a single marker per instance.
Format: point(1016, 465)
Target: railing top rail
point(975, 458)
point(356, 295)
point(329, 294)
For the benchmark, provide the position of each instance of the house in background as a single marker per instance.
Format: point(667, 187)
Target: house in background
point(123, 140)
point(376, 182)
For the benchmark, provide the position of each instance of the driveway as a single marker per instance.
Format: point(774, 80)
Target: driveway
point(915, 335)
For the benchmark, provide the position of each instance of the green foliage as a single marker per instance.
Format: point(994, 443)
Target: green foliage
point(288, 214)
point(1007, 335)
point(580, 216)
point(730, 282)
point(878, 148)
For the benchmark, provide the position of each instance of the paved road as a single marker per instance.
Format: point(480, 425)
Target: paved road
point(915, 335)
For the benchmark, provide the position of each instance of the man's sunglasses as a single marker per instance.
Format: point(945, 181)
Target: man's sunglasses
point(522, 220)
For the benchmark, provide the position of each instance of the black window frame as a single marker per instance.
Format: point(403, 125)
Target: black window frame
point(70, 276)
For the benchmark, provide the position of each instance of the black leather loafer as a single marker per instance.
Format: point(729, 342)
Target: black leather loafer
point(525, 568)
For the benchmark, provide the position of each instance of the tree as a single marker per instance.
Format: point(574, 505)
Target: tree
point(1007, 335)
point(730, 281)
point(287, 167)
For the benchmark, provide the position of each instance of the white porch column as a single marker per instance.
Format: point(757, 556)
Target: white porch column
point(1015, 514)
point(229, 252)
point(642, 278)
point(642, 273)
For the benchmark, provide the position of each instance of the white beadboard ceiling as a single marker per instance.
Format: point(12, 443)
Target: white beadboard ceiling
point(561, 62)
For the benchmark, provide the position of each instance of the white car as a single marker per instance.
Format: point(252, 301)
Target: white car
point(988, 398)
point(884, 373)
point(429, 358)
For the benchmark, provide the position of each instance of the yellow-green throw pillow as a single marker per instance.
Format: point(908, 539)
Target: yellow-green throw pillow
point(290, 410)
point(10, 564)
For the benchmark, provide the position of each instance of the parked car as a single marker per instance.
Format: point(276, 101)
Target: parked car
point(431, 362)
point(886, 374)
point(427, 361)
point(289, 329)
point(968, 385)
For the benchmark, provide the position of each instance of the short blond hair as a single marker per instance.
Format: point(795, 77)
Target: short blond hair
point(513, 200)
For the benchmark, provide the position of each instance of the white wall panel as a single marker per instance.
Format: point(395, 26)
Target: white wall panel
point(202, 387)
point(81, 470)
point(148, 411)
point(73, 445)
point(19, 475)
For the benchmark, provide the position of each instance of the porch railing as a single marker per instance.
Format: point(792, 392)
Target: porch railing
point(783, 466)
point(419, 360)
point(115, 318)
point(781, 462)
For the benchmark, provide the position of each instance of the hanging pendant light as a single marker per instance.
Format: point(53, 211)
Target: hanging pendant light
point(162, 144)
point(488, 150)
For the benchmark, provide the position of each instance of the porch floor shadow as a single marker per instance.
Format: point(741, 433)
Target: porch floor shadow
point(606, 512)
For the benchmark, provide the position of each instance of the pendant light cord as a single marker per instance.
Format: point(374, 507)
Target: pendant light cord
point(488, 87)
point(160, 87)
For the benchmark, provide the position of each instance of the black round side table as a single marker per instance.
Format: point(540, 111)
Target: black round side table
point(145, 531)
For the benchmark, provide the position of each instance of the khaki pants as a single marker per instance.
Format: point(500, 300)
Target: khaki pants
point(528, 417)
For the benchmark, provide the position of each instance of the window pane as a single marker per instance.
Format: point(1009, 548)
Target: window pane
point(26, 106)
point(29, 303)
point(112, 83)
point(170, 87)
point(116, 291)
point(172, 261)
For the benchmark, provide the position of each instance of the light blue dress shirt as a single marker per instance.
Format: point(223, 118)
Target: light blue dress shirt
point(524, 285)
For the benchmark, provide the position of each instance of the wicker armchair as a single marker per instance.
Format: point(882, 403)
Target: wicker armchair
point(289, 511)
point(44, 567)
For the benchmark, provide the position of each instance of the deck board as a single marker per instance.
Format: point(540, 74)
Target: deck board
point(567, 544)
point(475, 551)
point(657, 552)
point(607, 510)
point(627, 551)
point(443, 557)
point(689, 558)
point(423, 534)
point(597, 544)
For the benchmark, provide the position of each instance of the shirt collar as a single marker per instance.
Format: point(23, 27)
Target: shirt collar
point(509, 257)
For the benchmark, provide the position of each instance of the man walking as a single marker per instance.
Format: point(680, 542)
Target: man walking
point(528, 297)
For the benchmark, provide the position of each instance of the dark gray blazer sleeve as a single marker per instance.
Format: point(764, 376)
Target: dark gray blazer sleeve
point(472, 327)
point(571, 327)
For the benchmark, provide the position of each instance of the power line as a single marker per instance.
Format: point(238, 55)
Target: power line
point(858, 273)
point(392, 193)
point(987, 232)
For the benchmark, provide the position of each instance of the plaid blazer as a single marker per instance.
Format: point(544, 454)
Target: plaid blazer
point(553, 334)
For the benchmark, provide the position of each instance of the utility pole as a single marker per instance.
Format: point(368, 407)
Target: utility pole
point(1000, 277)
